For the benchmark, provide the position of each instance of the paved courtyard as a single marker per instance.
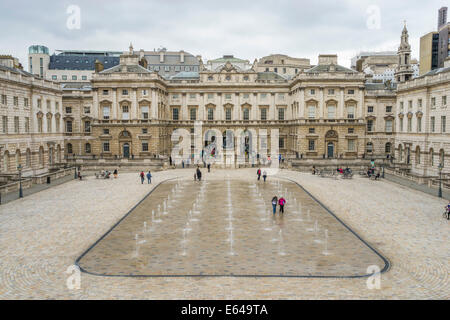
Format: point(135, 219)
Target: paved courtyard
point(42, 235)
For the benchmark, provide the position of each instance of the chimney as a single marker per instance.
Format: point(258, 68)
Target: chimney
point(98, 66)
point(161, 56)
point(327, 58)
point(143, 63)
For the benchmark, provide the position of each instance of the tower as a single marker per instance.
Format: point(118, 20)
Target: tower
point(38, 60)
point(404, 70)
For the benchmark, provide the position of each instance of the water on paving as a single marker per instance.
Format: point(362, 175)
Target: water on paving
point(226, 227)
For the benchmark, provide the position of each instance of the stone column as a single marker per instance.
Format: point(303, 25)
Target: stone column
point(341, 105)
point(133, 111)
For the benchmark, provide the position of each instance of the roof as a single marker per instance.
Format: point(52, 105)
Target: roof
point(379, 86)
point(81, 62)
point(326, 68)
point(185, 75)
point(17, 71)
point(135, 68)
point(76, 86)
point(227, 58)
point(269, 75)
point(435, 71)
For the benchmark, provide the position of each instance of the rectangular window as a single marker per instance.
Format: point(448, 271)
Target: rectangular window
point(351, 91)
point(193, 114)
point(16, 101)
point(419, 104)
point(56, 106)
point(84, 78)
point(69, 110)
point(144, 92)
point(210, 114)
point(369, 125)
point(370, 109)
point(388, 109)
point(64, 77)
point(263, 96)
point(351, 112)
point(4, 99)
point(5, 124)
point(106, 113)
point(49, 125)
point(106, 146)
point(311, 112)
point(40, 125)
point(39, 103)
point(27, 124)
point(124, 92)
point(409, 124)
point(246, 114)
point(410, 105)
point(281, 143)
point(351, 130)
point(312, 91)
point(401, 106)
point(401, 124)
point(105, 131)
point(57, 126)
point(144, 130)
point(192, 96)
point(330, 91)
point(432, 124)
point(210, 96)
point(175, 96)
point(228, 96)
point(433, 102)
point(311, 130)
point(68, 126)
point(444, 100)
point(388, 126)
point(246, 96)
point(311, 145)
point(228, 114)
point(87, 110)
point(16, 124)
point(351, 145)
point(125, 112)
point(281, 96)
point(443, 124)
point(144, 112)
point(263, 113)
point(331, 112)
point(105, 92)
point(87, 126)
point(175, 115)
point(281, 114)
point(144, 146)
point(74, 77)
point(419, 124)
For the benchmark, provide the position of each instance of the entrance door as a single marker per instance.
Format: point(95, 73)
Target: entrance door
point(330, 149)
point(126, 150)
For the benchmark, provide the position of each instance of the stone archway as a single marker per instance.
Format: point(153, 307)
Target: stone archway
point(331, 144)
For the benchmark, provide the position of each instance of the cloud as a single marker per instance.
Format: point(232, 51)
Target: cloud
point(247, 29)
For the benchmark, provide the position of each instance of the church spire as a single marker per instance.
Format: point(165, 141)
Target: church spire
point(131, 48)
point(404, 70)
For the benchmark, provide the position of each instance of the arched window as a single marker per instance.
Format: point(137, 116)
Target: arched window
point(87, 148)
point(387, 147)
point(369, 147)
point(28, 158)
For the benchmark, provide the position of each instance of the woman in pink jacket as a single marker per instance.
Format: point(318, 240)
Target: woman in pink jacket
point(281, 203)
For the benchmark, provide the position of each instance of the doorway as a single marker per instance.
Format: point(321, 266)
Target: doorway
point(126, 150)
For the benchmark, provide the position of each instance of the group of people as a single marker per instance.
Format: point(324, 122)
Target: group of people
point(372, 173)
point(148, 175)
point(264, 174)
point(106, 174)
point(280, 202)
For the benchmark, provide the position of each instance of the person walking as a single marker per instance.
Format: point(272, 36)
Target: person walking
point(182, 163)
point(274, 204)
point(149, 177)
point(259, 174)
point(115, 173)
point(209, 167)
point(199, 174)
point(170, 160)
point(142, 175)
point(264, 175)
point(281, 203)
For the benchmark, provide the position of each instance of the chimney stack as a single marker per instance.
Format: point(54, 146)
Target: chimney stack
point(98, 66)
point(182, 56)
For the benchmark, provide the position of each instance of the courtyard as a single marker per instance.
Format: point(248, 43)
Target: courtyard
point(218, 239)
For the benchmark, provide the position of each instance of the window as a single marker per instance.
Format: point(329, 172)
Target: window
point(4, 99)
point(263, 113)
point(443, 123)
point(69, 148)
point(311, 130)
point(246, 114)
point(192, 96)
point(64, 77)
point(106, 146)
point(16, 101)
point(419, 124)
point(105, 131)
point(409, 124)
point(444, 100)
point(311, 145)
point(330, 91)
point(124, 92)
point(144, 130)
point(175, 96)
point(410, 105)
point(419, 104)
point(246, 78)
point(105, 92)
point(87, 148)
point(57, 125)
point(144, 92)
point(87, 110)
point(69, 110)
point(193, 114)
point(370, 109)
point(387, 147)
point(69, 126)
point(281, 143)
point(27, 124)
point(74, 77)
point(175, 115)
point(432, 124)
point(281, 114)
point(16, 124)
point(369, 147)
point(401, 124)
point(281, 96)
point(311, 112)
point(210, 96)
point(263, 96)
point(125, 112)
point(351, 130)
point(210, 78)
point(84, 78)
point(228, 114)
point(331, 112)
point(401, 106)
point(351, 145)
point(433, 102)
point(49, 125)
point(388, 109)
point(39, 103)
point(40, 125)
point(388, 126)
point(351, 91)
point(5, 124)
point(275, 69)
point(246, 96)
point(56, 105)
point(312, 91)
point(106, 113)
point(87, 126)
point(228, 96)
point(210, 114)
point(228, 78)
point(144, 112)
point(144, 146)
point(369, 125)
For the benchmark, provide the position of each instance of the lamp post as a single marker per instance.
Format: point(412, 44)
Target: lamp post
point(19, 168)
point(440, 180)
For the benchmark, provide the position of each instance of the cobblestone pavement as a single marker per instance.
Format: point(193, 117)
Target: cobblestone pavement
point(43, 234)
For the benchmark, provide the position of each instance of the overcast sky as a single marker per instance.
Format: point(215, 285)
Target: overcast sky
point(210, 28)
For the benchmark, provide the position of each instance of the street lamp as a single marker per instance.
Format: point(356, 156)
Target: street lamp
point(440, 180)
point(19, 168)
